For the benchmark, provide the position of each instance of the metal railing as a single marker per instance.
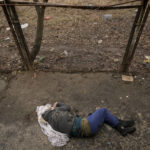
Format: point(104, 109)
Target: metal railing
point(136, 31)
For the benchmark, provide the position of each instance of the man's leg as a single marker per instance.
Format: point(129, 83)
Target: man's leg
point(109, 118)
point(99, 117)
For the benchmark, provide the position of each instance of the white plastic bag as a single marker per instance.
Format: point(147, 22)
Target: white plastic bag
point(56, 138)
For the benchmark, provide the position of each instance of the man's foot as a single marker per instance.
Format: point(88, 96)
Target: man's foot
point(126, 123)
point(124, 131)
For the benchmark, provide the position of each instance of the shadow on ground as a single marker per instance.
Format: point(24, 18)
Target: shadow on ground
point(18, 100)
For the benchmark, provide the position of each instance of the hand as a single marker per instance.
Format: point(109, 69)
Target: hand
point(42, 120)
point(55, 104)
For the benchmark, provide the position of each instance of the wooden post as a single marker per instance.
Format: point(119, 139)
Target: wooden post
point(13, 21)
point(138, 25)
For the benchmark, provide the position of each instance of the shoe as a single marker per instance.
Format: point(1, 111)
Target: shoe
point(127, 123)
point(124, 131)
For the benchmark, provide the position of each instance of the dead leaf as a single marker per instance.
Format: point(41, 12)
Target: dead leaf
point(34, 75)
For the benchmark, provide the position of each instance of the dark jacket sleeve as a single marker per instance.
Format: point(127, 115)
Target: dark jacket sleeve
point(63, 107)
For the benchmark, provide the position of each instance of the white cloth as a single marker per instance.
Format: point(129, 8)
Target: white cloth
point(56, 138)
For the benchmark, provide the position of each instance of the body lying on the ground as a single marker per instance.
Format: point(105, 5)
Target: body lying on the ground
point(63, 120)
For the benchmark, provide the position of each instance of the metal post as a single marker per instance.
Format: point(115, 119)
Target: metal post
point(135, 34)
point(13, 21)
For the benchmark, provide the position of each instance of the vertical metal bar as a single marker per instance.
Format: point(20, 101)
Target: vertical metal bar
point(13, 21)
point(20, 34)
point(12, 29)
point(135, 34)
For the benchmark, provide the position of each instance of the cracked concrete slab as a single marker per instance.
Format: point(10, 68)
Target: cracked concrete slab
point(18, 121)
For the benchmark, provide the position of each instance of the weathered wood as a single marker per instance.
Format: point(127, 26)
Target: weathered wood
point(13, 21)
point(138, 25)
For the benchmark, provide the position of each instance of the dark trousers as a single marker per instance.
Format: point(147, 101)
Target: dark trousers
point(99, 117)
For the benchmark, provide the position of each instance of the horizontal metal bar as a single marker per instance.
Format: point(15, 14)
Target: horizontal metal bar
point(77, 7)
point(69, 6)
point(25, 2)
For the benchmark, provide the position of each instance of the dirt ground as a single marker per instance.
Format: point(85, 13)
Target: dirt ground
point(77, 40)
point(74, 41)
point(23, 93)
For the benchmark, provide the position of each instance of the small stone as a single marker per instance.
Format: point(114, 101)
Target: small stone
point(108, 128)
point(127, 96)
point(52, 49)
point(14, 73)
point(140, 115)
point(106, 36)
point(90, 4)
point(65, 52)
point(24, 25)
point(8, 38)
point(120, 97)
point(35, 61)
point(95, 23)
point(41, 58)
point(100, 41)
point(5, 78)
point(102, 101)
point(107, 16)
point(116, 60)
point(7, 28)
point(109, 143)
point(12, 57)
